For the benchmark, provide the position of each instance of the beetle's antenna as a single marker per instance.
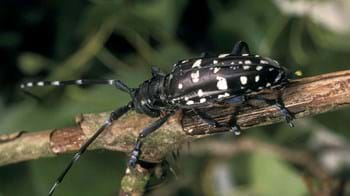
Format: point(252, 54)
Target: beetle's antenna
point(239, 47)
point(67, 82)
point(115, 115)
point(117, 83)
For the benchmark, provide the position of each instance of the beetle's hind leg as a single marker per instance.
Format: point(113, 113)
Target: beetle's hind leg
point(288, 116)
point(136, 152)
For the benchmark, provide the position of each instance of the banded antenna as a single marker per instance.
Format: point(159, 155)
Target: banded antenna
point(115, 115)
point(117, 83)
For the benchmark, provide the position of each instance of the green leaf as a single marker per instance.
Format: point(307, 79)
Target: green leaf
point(271, 176)
point(31, 63)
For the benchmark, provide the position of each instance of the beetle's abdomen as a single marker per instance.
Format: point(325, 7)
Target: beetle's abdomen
point(199, 81)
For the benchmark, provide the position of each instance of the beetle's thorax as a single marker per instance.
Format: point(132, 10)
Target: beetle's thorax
point(149, 97)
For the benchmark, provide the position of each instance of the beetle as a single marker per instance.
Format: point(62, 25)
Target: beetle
point(193, 84)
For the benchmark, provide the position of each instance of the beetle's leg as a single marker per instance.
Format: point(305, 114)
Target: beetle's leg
point(213, 123)
point(206, 118)
point(238, 100)
point(113, 116)
point(135, 154)
point(239, 47)
point(288, 116)
point(235, 128)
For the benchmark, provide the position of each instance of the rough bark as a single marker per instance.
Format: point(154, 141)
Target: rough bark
point(305, 97)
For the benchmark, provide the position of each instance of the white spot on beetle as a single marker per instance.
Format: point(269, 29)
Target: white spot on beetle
point(190, 102)
point(190, 131)
point(271, 69)
point(180, 86)
point(244, 80)
point(22, 85)
point(246, 67)
point(202, 100)
point(111, 82)
point(216, 69)
point(195, 76)
point(257, 78)
point(268, 84)
point(223, 55)
point(215, 62)
point(264, 62)
point(143, 102)
point(29, 84)
point(148, 101)
point(40, 83)
point(232, 63)
point(223, 95)
point(261, 87)
point(200, 93)
point(248, 62)
point(222, 83)
point(257, 56)
point(259, 67)
point(240, 62)
point(186, 98)
point(279, 76)
point(197, 63)
point(55, 83)
point(245, 54)
point(184, 61)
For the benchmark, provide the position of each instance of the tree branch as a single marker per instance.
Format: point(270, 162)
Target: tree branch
point(304, 97)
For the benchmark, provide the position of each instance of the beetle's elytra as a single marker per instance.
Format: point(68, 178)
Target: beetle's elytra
point(193, 84)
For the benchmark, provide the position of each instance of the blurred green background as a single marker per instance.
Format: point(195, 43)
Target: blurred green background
point(59, 40)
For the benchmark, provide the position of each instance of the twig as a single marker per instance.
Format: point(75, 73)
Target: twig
point(305, 97)
point(134, 182)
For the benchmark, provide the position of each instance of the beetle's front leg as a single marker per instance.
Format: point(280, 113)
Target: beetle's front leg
point(136, 152)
